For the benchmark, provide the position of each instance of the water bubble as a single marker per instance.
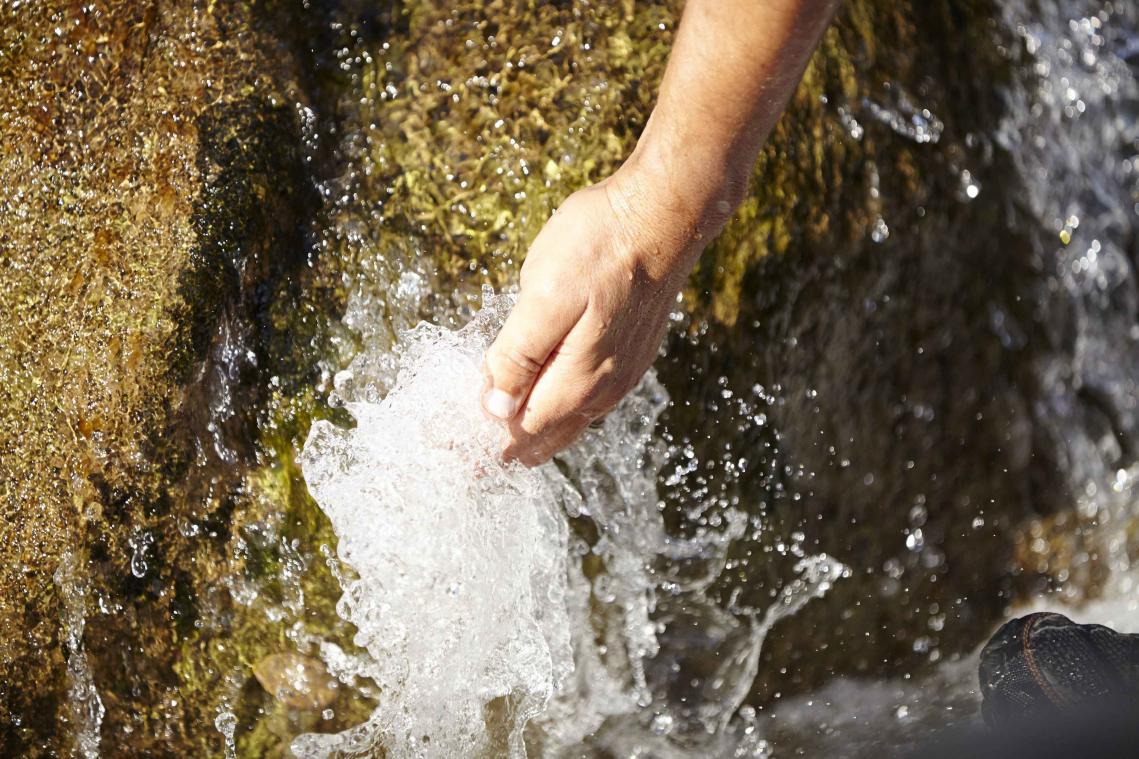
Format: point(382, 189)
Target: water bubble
point(879, 232)
point(853, 128)
point(918, 515)
point(970, 187)
point(905, 119)
point(140, 543)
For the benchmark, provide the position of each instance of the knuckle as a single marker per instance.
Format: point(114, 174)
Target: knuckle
point(605, 373)
point(599, 404)
point(610, 384)
point(514, 359)
point(546, 289)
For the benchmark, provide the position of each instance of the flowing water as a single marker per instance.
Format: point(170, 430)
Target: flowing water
point(522, 609)
point(655, 590)
point(482, 610)
point(1073, 131)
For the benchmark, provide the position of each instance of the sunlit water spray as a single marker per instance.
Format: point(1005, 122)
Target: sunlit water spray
point(460, 595)
point(492, 626)
point(1072, 130)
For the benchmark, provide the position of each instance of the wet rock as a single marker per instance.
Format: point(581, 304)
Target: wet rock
point(881, 288)
point(297, 681)
point(857, 287)
point(151, 187)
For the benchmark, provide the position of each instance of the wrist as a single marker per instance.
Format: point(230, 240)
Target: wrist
point(692, 185)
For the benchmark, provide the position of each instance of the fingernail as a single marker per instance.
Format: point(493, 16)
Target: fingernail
point(499, 403)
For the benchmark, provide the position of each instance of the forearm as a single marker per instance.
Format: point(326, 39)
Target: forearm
point(601, 278)
point(734, 66)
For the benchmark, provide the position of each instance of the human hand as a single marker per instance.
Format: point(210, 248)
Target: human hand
point(597, 288)
point(601, 277)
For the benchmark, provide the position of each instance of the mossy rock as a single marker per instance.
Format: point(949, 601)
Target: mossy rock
point(154, 216)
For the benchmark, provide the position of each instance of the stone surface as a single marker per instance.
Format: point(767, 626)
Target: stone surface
point(151, 190)
point(299, 682)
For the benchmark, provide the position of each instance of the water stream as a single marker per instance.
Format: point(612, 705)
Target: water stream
point(492, 598)
point(511, 608)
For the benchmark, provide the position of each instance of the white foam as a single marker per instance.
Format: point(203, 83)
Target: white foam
point(491, 626)
point(461, 561)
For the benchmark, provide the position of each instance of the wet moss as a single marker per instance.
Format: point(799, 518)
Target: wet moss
point(279, 560)
point(472, 122)
point(250, 221)
point(468, 123)
point(148, 164)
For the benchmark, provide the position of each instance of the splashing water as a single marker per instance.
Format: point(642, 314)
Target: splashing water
point(480, 611)
point(86, 709)
point(460, 594)
point(226, 724)
point(1073, 134)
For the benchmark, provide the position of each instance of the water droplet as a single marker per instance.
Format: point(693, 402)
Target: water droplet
point(140, 543)
point(226, 724)
point(880, 232)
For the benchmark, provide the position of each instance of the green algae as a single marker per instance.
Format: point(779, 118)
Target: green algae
point(277, 556)
point(476, 122)
point(477, 119)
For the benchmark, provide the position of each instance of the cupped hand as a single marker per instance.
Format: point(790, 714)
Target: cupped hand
point(597, 288)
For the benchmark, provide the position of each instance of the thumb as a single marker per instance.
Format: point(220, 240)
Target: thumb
point(535, 327)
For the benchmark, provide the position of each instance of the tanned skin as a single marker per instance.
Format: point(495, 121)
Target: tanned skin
point(601, 278)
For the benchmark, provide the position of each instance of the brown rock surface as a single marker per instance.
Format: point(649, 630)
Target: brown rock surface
point(147, 159)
